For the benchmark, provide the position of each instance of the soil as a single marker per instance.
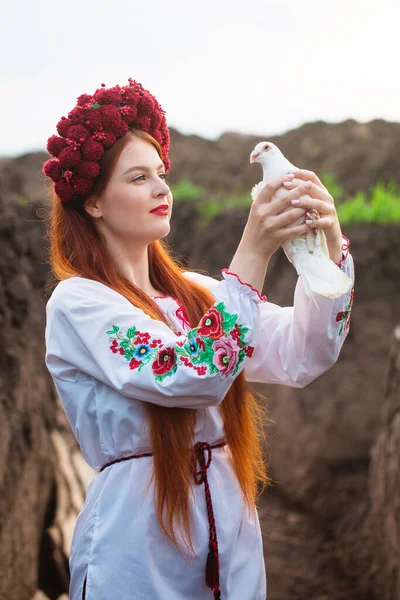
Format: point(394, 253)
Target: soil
point(322, 435)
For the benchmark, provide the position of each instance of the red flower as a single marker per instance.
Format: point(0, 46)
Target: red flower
point(134, 364)
point(143, 123)
point(121, 130)
point(52, 169)
point(81, 185)
point(64, 190)
point(157, 136)
point(107, 113)
point(63, 125)
point(164, 361)
point(156, 119)
point(339, 316)
point(131, 96)
point(155, 343)
point(77, 115)
point(92, 150)
point(69, 157)
point(88, 169)
point(108, 96)
point(78, 133)
point(93, 119)
point(248, 350)
point(146, 105)
point(55, 144)
point(235, 335)
point(211, 324)
point(110, 117)
point(114, 347)
point(84, 99)
point(128, 113)
point(109, 139)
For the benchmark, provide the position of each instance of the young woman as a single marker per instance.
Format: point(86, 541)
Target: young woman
point(151, 362)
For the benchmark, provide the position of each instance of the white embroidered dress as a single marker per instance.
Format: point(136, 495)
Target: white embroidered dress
point(108, 359)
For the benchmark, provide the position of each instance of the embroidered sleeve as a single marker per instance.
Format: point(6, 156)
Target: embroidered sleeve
point(217, 345)
point(298, 343)
point(345, 251)
point(94, 330)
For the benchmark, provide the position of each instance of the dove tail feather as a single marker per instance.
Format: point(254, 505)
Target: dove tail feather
point(320, 275)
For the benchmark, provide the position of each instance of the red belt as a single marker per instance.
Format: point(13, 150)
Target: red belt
point(203, 456)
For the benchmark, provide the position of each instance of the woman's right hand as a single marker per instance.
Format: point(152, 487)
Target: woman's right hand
point(270, 215)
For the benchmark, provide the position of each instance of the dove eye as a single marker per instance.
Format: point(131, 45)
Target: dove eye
point(266, 147)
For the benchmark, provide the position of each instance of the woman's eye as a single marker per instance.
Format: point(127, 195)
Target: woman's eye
point(163, 175)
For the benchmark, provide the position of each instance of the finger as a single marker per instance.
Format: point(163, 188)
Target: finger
point(270, 188)
point(291, 232)
point(308, 203)
point(307, 188)
point(322, 223)
point(288, 217)
point(309, 175)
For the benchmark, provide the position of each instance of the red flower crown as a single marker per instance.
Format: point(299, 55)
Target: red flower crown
point(94, 125)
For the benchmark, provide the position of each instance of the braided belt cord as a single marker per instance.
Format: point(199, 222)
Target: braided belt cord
point(203, 456)
point(202, 453)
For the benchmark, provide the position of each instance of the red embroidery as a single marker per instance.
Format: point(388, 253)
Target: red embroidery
point(181, 314)
point(344, 316)
point(235, 335)
point(249, 351)
point(165, 362)
point(217, 345)
point(211, 324)
point(134, 364)
point(345, 251)
point(263, 298)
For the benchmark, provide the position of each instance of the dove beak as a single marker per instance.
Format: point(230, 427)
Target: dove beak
point(253, 156)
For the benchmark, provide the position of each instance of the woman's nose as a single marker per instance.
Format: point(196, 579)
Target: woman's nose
point(163, 188)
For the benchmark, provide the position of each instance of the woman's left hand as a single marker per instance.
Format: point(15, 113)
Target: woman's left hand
point(317, 197)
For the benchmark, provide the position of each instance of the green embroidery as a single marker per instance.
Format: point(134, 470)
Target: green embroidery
point(344, 317)
point(216, 345)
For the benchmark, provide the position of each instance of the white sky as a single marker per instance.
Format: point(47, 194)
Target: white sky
point(259, 67)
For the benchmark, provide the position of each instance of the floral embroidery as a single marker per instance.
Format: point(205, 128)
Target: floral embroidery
point(211, 324)
point(217, 345)
point(226, 354)
point(343, 317)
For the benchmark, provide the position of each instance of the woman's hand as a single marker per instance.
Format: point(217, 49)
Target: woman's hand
point(317, 197)
point(267, 225)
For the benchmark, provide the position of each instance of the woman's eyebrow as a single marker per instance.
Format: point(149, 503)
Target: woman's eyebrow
point(141, 168)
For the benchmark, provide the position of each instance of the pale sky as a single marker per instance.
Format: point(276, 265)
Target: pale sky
point(260, 67)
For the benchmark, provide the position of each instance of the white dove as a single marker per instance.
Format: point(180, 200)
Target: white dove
point(308, 252)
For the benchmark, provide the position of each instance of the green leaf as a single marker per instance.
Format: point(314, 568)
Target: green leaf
point(115, 329)
point(129, 352)
point(220, 306)
point(213, 368)
point(131, 332)
point(241, 356)
point(124, 344)
point(95, 105)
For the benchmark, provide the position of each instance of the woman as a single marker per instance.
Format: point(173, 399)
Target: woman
point(151, 362)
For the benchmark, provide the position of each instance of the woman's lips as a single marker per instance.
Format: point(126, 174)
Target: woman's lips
point(161, 210)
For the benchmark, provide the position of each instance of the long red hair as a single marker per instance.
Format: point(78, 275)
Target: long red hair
point(76, 249)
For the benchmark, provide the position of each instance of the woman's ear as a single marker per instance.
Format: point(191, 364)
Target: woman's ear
point(93, 207)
